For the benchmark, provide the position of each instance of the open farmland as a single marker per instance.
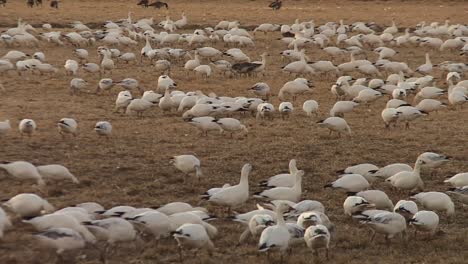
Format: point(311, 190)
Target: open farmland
point(132, 167)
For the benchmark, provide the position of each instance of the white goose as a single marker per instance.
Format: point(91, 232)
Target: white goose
point(187, 164)
point(425, 221)
point(335, 124)
point(350, 183)
point(22, 170)
point(294, 88)
point(283, 179)
point(355, 204)
point(67, 126)
point(152, 222)
point(233, 196)
point(232, 125)
point(342, 107)
point(27, 126)
point(406, 208)
point(255, 227)
point(458, 180)
point(390, 170)
point(292, 194)
point(178, 207)
point(436, 201)
point(103, 128)
point(378, 198)
point(408, 180)
point(56, 172)
point(276, 237)
point(204, 124)
point(4, 127)
point(285, 109)
point(61, 239)
point(261, 89)
point(310, 107)
point(193, 236)
point(5, 223)
point(317, 237)
point(28, 205)
point(387, 223)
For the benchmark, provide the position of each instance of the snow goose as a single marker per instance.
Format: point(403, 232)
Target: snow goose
point(312, 218)
point(429, 93)
point(305, 206)
point(166, 103)
point(285, 109)
point(406, 208)
point(90, 67)
point(378, 198)
point(233, 196)
point(433, 160)
point(317, 237)
point(425, 68)
point(203, 70)
point(59, 220)
point(81, 54)
point(354, 204)
point(390, 170)
point(187, 164)
point(56, 172)
point(190, 65)
point(178, 207)
point(292, 194)
point(103, 128)
point(27, 205)
point(387, 223)
point(350, 183)
point(116, 211)
point(461, 193)
point(284, 179)
point(22, 170)
point(294, 88)
point(4, 127)
point(409, 113)
point(335, 124)
point(265, 110)
point(310, 107)
point(138, 106)
point(255, 227)
point(61, 239)
point(208, 52)
point(436, 201)
point(27, 126)
point(123, 100)
point(107, 64)
point(5, 223)
point(105, 85)
point(130, 84)
point(362, 169)
point(192, 236)
point(232, 125)
point(127, 57)
point(276, 237)
point(77, 85)
point(261, 89)
point(425, 221)
point(342, 107)
point(408, 180)
point(71, 67)
point(430, 105)
point(152, 222)
point(458, 180)
point(367, 96)
point(204, 124)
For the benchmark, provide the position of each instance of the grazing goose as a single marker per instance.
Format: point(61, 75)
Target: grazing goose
point(27, 126)
point(193, 236)
point(387, 223)
point(284, 179)
point(255, 227)
point(433, 160)
point(362, 169)
point(265, 110)
point(60, 220)
point(458, 180)
point(152, 222)
point(130, 84)
point(204, 124)
point(261, 89)
point(310, 107)
point(187, 164)
point(178, 207)
point(312, 218)
point(409, 113)
point(378, 198)
point(292, 194)
point(408, 180)
point(335, 124)
point(77, 85)
point(27, 205)
point(105, 85)
point(123, 100)
point(305, 206)
point(138, 106)
point(390, 116)
point(56, 172)
point(71, 67)
point(436, 201)
point(233, 196)
point(317, 237)
point(461, 193)
point(425, 221)
point(285, 109)
point(4, 127)
point(62, 239)
point(5, 223)
point(430, 105)
point(354, 204)
point(294, 88)
point(22, 170)
point(390, 170)
point(67, 126)
point(350, 183)
point(178, 219)
point(232, 125)
point(342, 107)
point(277, 237)
point(406, 208)
point(103, 128)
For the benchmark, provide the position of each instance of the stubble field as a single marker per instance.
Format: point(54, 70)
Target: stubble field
point(133, 167)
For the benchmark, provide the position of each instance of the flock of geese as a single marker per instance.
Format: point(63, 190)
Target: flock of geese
point(285, 220)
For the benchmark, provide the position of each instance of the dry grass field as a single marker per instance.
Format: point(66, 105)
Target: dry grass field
point(133, 167)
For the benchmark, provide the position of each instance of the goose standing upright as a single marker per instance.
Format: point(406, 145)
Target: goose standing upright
point(276, 237)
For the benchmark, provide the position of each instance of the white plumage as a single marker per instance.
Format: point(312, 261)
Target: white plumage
point(28, 205)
